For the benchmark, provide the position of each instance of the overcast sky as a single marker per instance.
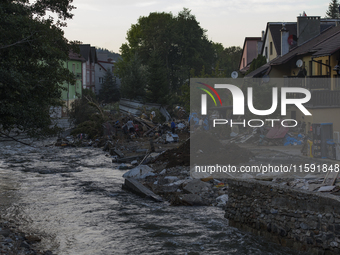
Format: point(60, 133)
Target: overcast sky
point(104, 23)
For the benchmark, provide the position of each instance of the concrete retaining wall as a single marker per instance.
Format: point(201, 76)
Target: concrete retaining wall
point(302, 220)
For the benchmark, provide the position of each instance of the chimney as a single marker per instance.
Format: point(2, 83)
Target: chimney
point(307, 28)
point(262, 35)
point(284, 40)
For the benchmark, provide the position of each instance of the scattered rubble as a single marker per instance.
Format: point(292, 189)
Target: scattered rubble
point(160, 160)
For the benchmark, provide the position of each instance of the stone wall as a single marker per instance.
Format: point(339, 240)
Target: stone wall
point(302, 220)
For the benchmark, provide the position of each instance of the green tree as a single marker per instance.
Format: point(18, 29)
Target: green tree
point(109, 91)
point(81, 110)
point(32, 51)
point(179, 41)
point(257, 62)
point(333, 10)
point(157, 89)
point(228, 59)
point(134, 78)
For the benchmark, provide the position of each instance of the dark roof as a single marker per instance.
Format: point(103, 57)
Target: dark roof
point(75, 56)
point(93, 54)
point(313, 45)
point(84, 50)
point(259, 71)
point(275, 28)
point(323, 27)
point(88, 52)
point(329, 46)
point(245, 69)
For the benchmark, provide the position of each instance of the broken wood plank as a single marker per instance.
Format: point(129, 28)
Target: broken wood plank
point(334, 180)
point(117, 152)
point(149, 131)
point(136, 187)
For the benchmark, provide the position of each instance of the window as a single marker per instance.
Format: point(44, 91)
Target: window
point(327, 68)
point(73, 68)
point(266, 52)
point(310, 68)
point(101, 80)
point(92, 76)
point(271, 48)
point(113, 68)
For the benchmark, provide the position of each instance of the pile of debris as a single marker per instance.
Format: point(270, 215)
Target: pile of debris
point(277, 135)
point(169, 176)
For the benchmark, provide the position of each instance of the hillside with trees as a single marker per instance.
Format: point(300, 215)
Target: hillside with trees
point(110, 54)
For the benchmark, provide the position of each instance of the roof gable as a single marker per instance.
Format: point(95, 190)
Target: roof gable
point(274, 29)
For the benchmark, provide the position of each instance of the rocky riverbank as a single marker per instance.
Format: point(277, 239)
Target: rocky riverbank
point(14, 242)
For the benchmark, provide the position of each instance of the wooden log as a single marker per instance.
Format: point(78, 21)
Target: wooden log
point(136, 187)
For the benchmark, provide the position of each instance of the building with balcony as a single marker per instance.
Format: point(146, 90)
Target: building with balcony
point(313, 64)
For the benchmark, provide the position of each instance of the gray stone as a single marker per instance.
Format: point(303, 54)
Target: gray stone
point(197, 187)
point(333, 244)
point(171, 179)
point(123, 167)
point(193, 199)
point(304, 226)
point(5, 232)
point(273, 211)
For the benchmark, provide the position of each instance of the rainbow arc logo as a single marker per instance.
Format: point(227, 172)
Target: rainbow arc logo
point(209, 93)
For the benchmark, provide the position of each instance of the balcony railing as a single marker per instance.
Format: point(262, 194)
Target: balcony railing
point(310, 82)
point(325, 98)
point(320, 98)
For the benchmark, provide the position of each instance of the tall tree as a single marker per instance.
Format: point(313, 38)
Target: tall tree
point(179, 41)
point(157, 90)
point(228, 59)
point(333, 10)
point(109, 91)
point(32, 51)
point(134, 78)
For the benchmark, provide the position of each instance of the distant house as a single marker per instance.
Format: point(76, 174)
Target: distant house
point(72, 92)
point(278, 39)
point(104, 63)
point(251, 48)
point(88, 67)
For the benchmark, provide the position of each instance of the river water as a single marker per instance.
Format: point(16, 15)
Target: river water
point(72, 199)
